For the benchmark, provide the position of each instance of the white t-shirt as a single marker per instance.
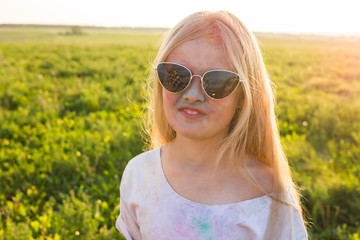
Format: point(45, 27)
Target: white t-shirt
point(150, 209)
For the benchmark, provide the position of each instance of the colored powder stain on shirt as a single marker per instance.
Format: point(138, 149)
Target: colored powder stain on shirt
point(263, 202)
point(203, 227)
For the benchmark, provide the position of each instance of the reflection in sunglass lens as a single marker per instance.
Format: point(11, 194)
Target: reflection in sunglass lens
point(220, 84)
point(174, 78)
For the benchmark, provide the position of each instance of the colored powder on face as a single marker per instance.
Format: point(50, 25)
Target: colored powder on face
point(214, 35)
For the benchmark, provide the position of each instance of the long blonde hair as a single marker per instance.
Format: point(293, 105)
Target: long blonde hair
point(253, 128)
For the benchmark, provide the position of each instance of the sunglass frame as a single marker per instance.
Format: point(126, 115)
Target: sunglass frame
point(201, 79)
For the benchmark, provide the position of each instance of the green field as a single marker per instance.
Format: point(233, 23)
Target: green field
point(70, 118)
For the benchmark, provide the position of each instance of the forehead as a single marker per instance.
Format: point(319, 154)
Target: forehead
point(200, 55)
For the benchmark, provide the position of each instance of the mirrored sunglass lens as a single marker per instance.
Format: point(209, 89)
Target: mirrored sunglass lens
point(174, 78)
point(220, 84)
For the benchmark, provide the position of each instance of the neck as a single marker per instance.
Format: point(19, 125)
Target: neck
point(195, 154)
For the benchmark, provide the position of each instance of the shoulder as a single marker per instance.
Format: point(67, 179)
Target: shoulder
point(293, 223)
point(263, 173)
point(139, 169)
point(141, 160)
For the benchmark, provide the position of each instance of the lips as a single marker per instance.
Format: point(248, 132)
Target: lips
point(191, 112)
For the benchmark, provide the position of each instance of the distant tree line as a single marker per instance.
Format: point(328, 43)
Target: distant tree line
point(75, 30)
point(150, 29)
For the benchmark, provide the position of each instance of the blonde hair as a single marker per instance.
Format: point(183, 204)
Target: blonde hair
point(253, 128)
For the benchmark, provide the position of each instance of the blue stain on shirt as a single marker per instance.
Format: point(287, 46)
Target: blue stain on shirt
point(204, 227)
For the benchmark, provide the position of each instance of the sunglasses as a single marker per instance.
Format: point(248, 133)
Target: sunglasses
point(217, 84)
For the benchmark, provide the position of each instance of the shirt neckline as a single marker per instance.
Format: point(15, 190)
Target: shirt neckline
point(177, 195)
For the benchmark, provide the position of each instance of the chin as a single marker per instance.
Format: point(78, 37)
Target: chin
point(191, 134)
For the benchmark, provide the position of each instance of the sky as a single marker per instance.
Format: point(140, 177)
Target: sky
point(334, 17)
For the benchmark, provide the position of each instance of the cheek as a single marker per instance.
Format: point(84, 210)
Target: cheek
point(168, 97)
point(225, 112)
point(169, 101)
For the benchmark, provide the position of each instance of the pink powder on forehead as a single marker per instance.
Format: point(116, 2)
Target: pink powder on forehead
point(213, 27)
point(214, 35)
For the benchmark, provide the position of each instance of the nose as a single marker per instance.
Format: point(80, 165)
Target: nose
point(195, 93)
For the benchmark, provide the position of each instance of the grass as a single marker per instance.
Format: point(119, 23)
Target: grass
point(70, 108)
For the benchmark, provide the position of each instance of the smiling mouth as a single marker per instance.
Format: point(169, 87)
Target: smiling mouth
point(190, 111)
point(192, 114)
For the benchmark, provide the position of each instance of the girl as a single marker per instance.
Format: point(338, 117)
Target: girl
point(217, 169)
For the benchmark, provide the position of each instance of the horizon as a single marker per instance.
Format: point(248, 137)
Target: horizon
point(164, 29)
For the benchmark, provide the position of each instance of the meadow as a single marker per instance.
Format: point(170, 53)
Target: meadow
point(71, 108)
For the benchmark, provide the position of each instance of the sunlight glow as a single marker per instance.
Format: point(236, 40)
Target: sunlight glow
point(307, 16)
